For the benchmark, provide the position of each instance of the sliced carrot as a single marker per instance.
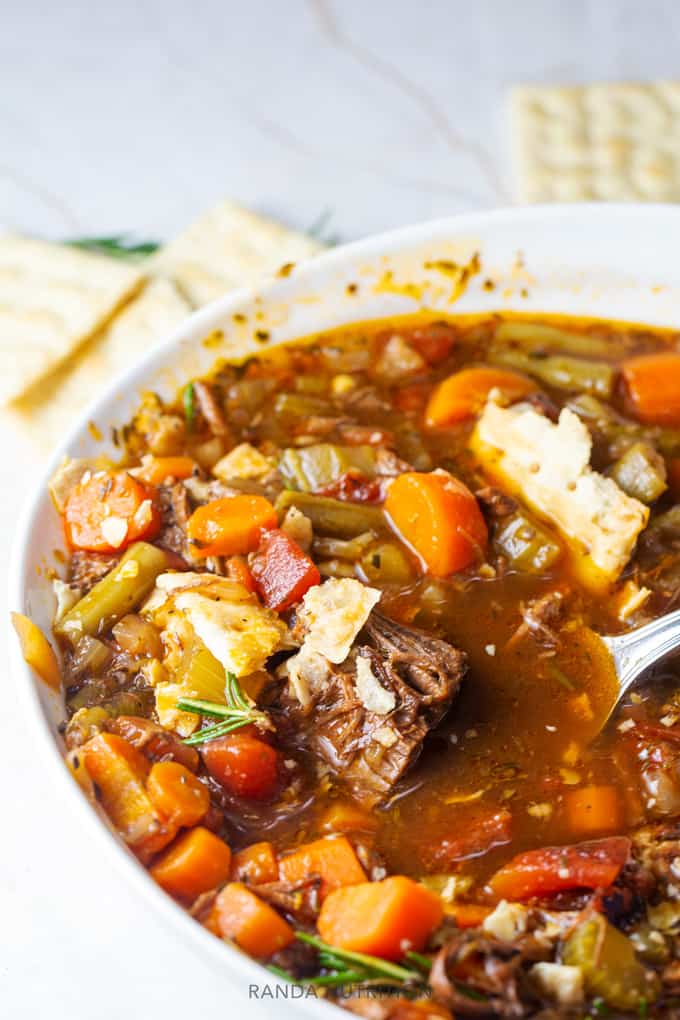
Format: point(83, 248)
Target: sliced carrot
point(108, 511)
point(119, 773)
point(593, 810)
point(156, 470)
point(468, 915)
point(333, 860)
point(177, 794)
point(250, 922)
point(196, 862)
point(37, 651)
point(238, 570)
point(231, 526)
point(652, 384)
point(344, 816)
point(381, 918)
point(464, 393)
point(255, 864)
point(439, 518)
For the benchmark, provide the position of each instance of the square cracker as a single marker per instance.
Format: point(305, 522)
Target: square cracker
point(228, 247)
point(52, 405)
point(52, 298)
point(616, 142)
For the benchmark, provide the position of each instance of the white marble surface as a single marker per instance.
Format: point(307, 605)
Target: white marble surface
point(138, 115)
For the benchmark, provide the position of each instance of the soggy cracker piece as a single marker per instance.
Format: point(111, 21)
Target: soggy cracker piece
point(52, 405)
point(615, 142)
point(52, 299)
point(226, 248)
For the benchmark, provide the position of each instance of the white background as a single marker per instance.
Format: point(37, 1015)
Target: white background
point(139, 114)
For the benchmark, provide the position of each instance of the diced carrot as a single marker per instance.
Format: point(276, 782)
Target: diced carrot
point(255, 864)
point(119, 773)
point(652, 384)
point(156, 470)
point(333, 860)
point(231, 526)
point(344, 816)
point(439, 518)
point(37, 651)
point(196, 862)
point(283, 573)
point(250, 922)
point(468, 915)
point(381, 918)
point(177, 794)
point(590, 865)
point(464, 393)
point(242, 763)
point(108, 511)
point(238, 570)
point(593, 810)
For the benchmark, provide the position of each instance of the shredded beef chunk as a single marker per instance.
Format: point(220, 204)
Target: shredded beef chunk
point(477, 975)
point(87, 568)
point(657, 848)
point(175, 514)
point(369, 751)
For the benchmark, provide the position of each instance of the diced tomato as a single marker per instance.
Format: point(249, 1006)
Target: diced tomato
point(109, 510)
point(355, 488)
point(243, 764)
point(591, 865)
point(282, 571)
point(434, 342)
point(480, 834)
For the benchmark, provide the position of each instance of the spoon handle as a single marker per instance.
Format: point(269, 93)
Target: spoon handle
point(640, 649)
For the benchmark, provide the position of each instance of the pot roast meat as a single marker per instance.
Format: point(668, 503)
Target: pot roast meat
point(366, 751)
point(175, 513)
point(86, 568)
point(657, 848)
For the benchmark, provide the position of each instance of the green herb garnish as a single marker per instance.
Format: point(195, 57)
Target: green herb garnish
point(318, 229)
point(117, 247)
point(189, 405)
point(346, 967)
point(421, 961)
point(239, 711)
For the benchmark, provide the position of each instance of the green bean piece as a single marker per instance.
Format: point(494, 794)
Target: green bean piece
point(387, 563)
point(332, 516)
point(122, 591)
point(640, 472)
point(560, 370)
point(529, 548)
point(300, 405)
point(312, 467)
point(609, 965)
point(532, 336)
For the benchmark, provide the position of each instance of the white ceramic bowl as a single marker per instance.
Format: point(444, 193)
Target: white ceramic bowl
point(617, 262)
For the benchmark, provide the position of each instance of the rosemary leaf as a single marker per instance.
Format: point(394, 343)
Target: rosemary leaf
point(119, 246)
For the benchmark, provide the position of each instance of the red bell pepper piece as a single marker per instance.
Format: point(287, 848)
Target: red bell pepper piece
point(282, 571)
point(591, 865)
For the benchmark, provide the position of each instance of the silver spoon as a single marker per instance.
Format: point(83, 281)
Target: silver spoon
point(637, 651)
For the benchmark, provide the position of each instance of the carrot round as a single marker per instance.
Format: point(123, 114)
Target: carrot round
point(108, 511)
point(333, 860)
point(196, 862)
point(231, 526)
point(381, 918)
point(177, 794)
point(652, 384)
point(37, 651)
point(250, 922)
point(255, 864)
point(156, 470)
point(439, 518)
point(464, 393)
point(593, 810)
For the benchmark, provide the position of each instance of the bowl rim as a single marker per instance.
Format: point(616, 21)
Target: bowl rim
point(240, 969)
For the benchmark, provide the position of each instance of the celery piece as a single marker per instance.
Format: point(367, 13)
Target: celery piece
point(120, 592)
point(312, 467)
point(387, 563)
point(561, 371)
point(640, 472)
point(609, 965)
point(534, 336)
point(332, 516)
point(527, 546)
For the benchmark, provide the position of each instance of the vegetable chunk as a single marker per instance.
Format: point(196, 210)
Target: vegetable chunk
point(37, 651)
point(464, 394)
point(250, 922)
point(439, 518)
point(334, 860)
point(196, 862)
point(107, 511)
point(283, 573)
point(381, 918)
point(652, 383)
point(592, 865)
point(231, 526)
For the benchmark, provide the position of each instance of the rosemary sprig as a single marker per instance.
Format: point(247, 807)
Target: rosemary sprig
point(118, 246)
point(238, 711)
point(421, 961)
point(348, 967)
